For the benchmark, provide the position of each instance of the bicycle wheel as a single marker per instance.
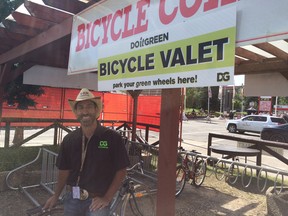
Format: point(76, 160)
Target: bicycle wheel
point(180, 180)
point(199, 173)
point(139, 202)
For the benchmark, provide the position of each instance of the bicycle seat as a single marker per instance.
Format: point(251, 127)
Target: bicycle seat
point(194, 151)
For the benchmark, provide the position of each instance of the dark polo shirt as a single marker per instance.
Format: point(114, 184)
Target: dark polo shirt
point(105, 155)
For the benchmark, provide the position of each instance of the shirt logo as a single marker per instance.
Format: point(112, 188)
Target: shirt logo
point(103, 144)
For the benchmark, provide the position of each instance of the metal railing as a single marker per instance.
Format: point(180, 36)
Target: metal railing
point(261, 145)
point(57, 124)
point(48, 174)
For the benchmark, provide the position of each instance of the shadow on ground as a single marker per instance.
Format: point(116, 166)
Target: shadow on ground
point(219, 198)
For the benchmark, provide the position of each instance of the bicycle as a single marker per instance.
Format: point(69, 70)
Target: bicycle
point(192, 167)
point(57, 210)
point(133, 198)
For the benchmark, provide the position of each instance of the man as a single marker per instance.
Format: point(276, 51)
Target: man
point(231, 114)
point(92, 162)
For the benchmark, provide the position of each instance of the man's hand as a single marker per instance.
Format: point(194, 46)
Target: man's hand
point(50, 203)
point(99, 203)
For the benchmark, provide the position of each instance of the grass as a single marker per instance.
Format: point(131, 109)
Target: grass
point(11, 158)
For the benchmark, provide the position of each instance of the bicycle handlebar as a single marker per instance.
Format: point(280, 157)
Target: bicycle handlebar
point(183, 151)
point(138, 165)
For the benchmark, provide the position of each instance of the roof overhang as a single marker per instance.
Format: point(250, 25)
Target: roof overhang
point(41, 36)
point(57, 77)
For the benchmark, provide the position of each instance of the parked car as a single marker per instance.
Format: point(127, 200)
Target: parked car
point(253, 123)
point(277, 133)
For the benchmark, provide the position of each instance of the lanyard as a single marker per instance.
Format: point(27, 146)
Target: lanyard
point(83, 156)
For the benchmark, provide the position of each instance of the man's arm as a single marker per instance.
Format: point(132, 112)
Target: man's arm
point(101, 202)
point(61, 182)
point(116, 183)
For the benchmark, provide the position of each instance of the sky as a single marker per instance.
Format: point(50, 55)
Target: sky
point(239, 80)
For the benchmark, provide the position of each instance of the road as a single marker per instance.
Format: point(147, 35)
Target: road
point(195, 133)
point(195, 136)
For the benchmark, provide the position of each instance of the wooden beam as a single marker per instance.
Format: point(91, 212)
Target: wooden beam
point(55, 54)
point(285, 74)
point(169, 133)
point(1, 99)
point(46, 13)
point(17, 38)
point(238, 60)
point(5, 47)
point(20, 29)
point(8, 42)
point(72, 6)
point(267, 47)
point(268, 66)
point(54, 33)
point(30, 21)
point(92, 2)
point(248, 54)
point(135, 95)
point(4, 70)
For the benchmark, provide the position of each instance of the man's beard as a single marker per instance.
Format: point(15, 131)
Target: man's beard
point(85, 121)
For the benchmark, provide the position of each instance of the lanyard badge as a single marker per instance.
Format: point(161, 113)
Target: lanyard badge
point(79, 193)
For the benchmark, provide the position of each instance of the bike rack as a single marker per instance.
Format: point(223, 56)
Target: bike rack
point(230, 165)
point(48, 175)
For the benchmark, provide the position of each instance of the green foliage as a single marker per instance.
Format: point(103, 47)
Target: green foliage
point(251, 99)
point(11, 158)
point(16, 93)
point(7, 6)
point(194, 97)
point(282, 100)
point(197, 98)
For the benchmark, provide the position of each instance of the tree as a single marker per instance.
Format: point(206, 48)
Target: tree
point(16, 93)
point(7, 6)
point(198, 98)
point(282, 100)
point(22, 96)
point(239, 98)
point(193, 96)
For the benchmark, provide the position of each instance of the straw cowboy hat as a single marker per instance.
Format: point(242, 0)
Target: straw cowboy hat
point(85, 94)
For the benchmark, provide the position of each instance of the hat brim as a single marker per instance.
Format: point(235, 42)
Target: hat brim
point(96, 100)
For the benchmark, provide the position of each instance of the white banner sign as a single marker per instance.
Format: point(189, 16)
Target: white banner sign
point(110, 22)
point(195, 53)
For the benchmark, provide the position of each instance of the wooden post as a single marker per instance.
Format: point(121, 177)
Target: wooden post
point(135, 94)
point(7, 135)
point(55, 133)
point(169, 131)
point(209, 144)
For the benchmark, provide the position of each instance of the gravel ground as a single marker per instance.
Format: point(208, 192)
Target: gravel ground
point(212, 198)
point(219, 198)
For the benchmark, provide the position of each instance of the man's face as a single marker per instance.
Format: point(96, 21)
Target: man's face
point(86, 112)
